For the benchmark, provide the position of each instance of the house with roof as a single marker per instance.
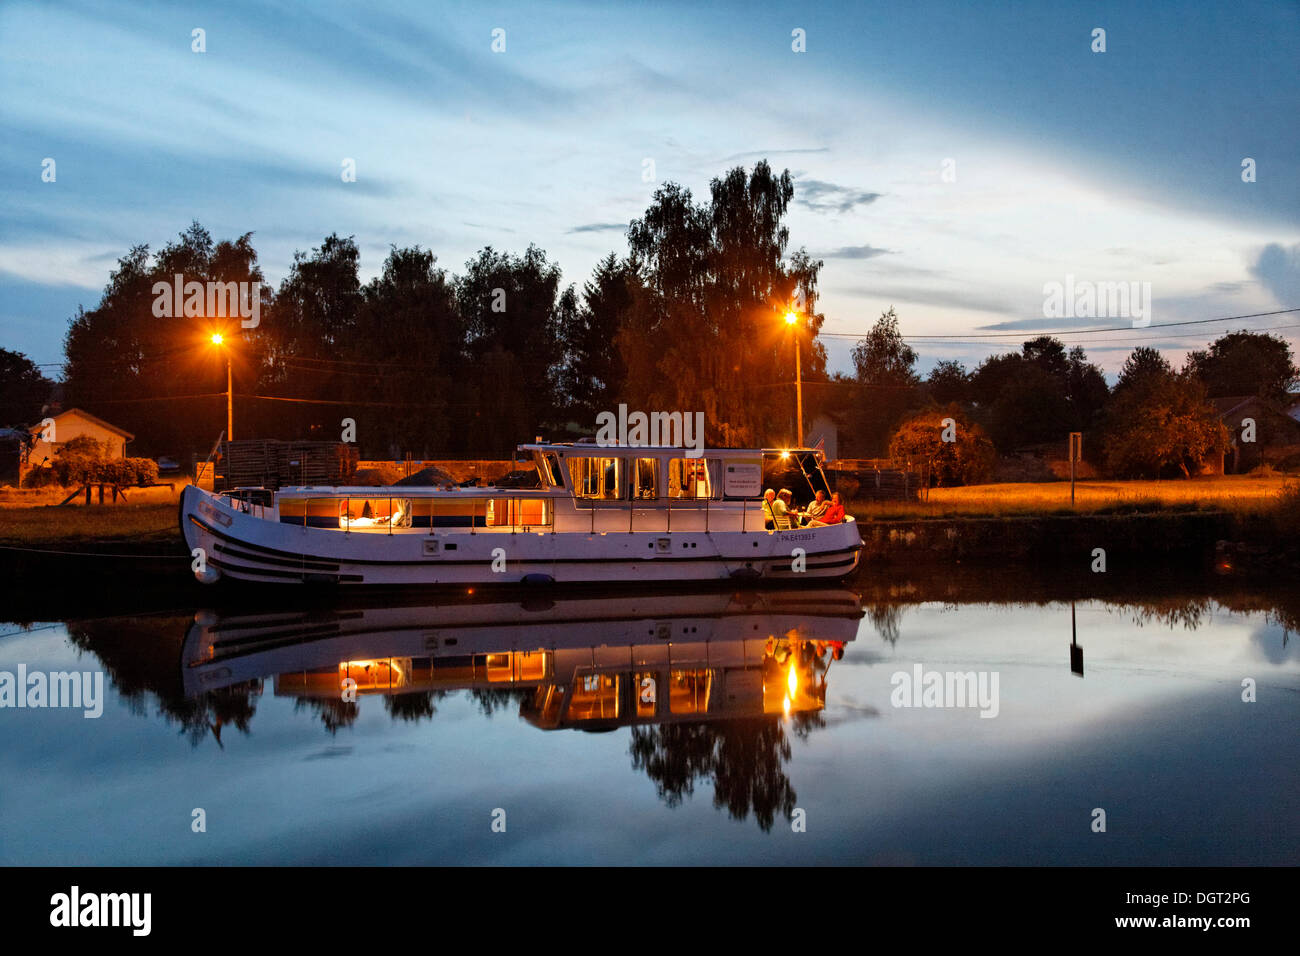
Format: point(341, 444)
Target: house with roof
point(53, 433)
point(1259, 431)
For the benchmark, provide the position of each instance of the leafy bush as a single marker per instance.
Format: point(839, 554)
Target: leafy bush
point(41, 478)
point(83, 459)
point(966, 460)
point(76, 461)
point(145, 470)
point(1162, 427)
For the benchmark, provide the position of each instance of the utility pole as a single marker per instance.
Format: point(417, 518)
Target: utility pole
point(1076, 454)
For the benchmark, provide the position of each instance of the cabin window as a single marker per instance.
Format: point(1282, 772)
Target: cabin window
point(595, 697)
point(597, 477)
point(368, 514)
point(689, 691)
point(688, 478)
point(646, 685)
point(645, 478)
point(516, 512)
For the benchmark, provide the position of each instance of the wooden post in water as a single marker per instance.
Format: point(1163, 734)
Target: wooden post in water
point(1076, 652)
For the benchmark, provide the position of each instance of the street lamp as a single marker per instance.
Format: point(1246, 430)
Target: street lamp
point(790, 319)
point(219, 341)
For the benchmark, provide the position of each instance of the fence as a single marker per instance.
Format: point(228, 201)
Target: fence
point(874, 479)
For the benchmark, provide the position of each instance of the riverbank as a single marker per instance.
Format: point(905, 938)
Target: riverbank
point(138, 545)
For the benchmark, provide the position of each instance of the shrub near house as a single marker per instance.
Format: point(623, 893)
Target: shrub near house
point(84, 459)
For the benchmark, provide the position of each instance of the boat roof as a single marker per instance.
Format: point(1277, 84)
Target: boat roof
point(591, 446)
point(406, 491)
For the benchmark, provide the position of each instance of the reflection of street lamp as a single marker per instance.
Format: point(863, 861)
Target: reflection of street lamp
point(218, 340)
point(790, 319)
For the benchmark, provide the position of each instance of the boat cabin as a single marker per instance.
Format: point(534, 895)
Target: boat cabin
point(614, 473)
point(581, 486)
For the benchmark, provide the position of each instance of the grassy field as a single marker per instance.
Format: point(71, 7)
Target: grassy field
point(29, 517)
point(1235, 493)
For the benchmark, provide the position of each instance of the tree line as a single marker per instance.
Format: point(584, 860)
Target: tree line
point(690, 317)
point(1155, 422)
point(424, 362)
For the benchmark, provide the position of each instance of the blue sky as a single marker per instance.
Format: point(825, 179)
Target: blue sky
point(1115, 166)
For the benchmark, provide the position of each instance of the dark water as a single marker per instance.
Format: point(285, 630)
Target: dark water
point(665, 729)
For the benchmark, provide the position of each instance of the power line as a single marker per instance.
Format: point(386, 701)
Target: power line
point(279, 398)
point(1059, 332)
point(1132, 338)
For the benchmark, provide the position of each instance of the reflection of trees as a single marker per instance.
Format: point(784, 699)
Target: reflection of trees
point(885, 619)
point(1286, 614)
point(805, 722)
point(138, 655)
point(334, 712)
point(745, 759)
point(214, 710)
point(493, 699)
point(1189, 613)
point(413, 707)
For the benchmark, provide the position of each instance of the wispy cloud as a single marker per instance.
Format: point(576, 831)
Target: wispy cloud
point(764, 153)
point(600, 227)
point(1059, 325)
point(854, 252)
point(820, 196)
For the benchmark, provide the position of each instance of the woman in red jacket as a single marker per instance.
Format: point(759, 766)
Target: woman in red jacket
point(834, 514)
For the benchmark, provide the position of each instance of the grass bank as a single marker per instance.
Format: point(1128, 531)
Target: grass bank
point(1234, 494)
point(32, 518)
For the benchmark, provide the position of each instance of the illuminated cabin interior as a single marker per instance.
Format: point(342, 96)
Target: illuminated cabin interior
point(404, 675)
point(789, 678)
point(600, 699)
point(385, 513)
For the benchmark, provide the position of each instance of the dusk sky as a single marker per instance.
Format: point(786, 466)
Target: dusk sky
point(1117, 166)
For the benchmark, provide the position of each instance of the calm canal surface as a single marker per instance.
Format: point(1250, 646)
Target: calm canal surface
point(787, 727)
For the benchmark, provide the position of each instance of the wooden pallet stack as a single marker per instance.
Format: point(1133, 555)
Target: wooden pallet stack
point(269, 463)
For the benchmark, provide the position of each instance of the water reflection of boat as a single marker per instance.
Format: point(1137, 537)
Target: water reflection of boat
point(591, 662)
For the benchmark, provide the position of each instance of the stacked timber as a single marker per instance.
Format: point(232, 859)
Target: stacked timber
point(269, 463)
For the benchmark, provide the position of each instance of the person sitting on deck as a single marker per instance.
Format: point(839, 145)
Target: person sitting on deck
point(784, 516)
point(769, 517)
point(835, 513)
point(816, 511)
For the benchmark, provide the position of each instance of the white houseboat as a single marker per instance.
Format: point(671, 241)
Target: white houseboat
point(599, 514)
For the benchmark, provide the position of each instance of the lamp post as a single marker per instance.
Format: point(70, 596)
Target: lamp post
point(219, 341)
point(790, 319)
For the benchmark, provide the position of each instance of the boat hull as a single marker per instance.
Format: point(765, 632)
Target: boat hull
point(231, 543)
